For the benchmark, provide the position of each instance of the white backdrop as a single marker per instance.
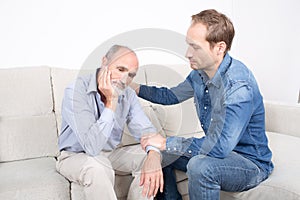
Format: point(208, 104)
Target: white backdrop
point(63, 33)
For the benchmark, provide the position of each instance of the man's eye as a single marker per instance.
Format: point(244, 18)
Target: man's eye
point(195, 47)
point(131, 75)
point(121, 69)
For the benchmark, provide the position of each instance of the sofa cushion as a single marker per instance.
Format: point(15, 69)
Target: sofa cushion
point(34, 179)
point(25, 91)
point(178, 120)
point(61, 78)
point(27, 137)
point(27, 123)
point(282, 118)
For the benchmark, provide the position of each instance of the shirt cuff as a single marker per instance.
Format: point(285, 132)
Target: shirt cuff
point(173, 144)
point(183, 146)
point(148, 148)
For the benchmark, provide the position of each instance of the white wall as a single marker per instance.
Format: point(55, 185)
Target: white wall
point(64, 33)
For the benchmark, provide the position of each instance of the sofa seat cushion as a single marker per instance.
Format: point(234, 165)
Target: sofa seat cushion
point(34, 179)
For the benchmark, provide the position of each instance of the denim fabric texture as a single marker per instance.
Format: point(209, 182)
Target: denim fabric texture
point(231, 112)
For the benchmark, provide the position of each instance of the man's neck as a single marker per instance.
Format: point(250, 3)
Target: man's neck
point(213, 70)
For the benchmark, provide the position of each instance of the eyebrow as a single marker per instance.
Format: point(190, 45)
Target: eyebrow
point(122, 67)
point(192, 44)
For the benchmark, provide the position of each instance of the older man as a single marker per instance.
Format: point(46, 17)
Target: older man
point(95, 110)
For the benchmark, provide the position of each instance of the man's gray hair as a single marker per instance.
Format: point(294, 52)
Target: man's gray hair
point(114, 49)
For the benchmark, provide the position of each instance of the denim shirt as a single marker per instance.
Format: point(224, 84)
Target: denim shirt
point(230, 109)
point(88, 126)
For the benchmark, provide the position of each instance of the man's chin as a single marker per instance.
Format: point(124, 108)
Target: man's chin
point(119, 91)
point(193, 66)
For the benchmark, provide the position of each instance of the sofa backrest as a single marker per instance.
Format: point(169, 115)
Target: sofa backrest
point(27, 122)
point(283, 118)
point(30, 110)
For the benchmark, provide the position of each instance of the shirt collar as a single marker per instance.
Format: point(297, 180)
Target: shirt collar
point(93, 82)
point(217, 79)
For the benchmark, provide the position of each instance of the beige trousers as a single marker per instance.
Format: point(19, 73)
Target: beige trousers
point(97, 174)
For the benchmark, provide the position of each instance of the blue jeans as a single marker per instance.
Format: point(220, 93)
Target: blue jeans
point(207, 176)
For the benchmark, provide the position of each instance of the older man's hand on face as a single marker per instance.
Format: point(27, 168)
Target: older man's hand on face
point(152, 175)
point(108, 94)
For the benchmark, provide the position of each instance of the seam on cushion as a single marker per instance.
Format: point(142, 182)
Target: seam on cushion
point(25, 159)
point(53, 101)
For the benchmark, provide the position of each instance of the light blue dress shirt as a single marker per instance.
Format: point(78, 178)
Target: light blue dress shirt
point(88, 126)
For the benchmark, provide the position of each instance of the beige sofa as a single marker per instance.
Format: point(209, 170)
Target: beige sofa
point(30, 104)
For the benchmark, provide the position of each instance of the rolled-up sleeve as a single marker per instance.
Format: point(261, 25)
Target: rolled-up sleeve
point(167, 96)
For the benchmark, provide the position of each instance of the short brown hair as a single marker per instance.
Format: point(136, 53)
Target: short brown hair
point(219, 27)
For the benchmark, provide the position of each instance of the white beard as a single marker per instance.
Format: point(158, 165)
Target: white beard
point(118, 86)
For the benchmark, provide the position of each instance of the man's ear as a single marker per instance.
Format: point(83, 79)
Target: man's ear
point(104, 61)
point(221, 47)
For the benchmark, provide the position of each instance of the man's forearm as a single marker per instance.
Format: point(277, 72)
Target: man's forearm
point(112, 103)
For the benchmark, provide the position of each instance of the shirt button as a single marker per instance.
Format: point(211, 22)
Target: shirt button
point(190, 151)
point(211, 119)
point(205, 107)
point(202, 125)
point(174, 148)
point(169, 149)
point(206, 91)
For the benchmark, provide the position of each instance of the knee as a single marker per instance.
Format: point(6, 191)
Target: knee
point(135, 157)
point(97, 174)
point(200, 167)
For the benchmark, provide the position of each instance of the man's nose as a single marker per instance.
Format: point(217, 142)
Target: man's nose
point(189, 52)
